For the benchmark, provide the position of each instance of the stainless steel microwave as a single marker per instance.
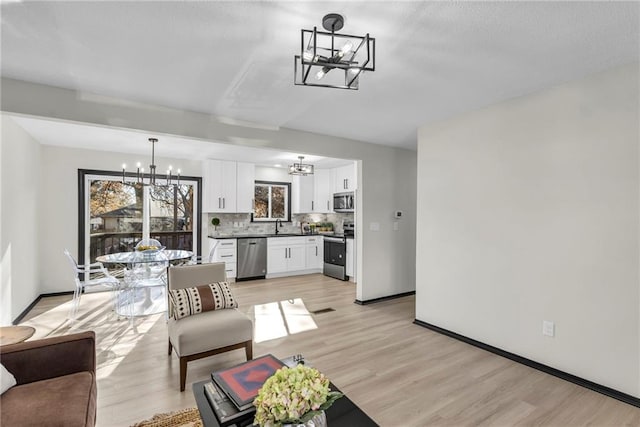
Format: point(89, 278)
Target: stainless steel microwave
point(343, 202)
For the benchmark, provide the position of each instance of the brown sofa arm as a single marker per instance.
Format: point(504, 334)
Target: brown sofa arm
point(50, 357)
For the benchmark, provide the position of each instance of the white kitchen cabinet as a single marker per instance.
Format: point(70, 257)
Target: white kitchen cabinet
point(345, 178)
point(286, 254)
point(224, 250)
point(302, 191)
point(219, 186)
point(276, 259)
point(297, 257)
point(315, 252)
point(323, 191)
point(245, 187)
point(350, 262)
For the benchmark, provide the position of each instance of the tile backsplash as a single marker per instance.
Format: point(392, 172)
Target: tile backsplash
point(240, 223)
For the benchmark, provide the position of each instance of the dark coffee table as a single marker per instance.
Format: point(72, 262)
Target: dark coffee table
point(343, 412)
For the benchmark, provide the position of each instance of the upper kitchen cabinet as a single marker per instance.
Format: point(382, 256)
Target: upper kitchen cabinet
point(246, 182)
point(345, 178)
point(323, 191)
point(227, 186)
point(302, 194)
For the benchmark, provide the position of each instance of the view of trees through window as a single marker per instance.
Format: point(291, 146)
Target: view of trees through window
point(271, 201)
point(117, 214)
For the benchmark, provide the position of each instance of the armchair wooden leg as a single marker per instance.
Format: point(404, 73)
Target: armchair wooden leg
point(183, 373)
point(170, 347)
point(248, 349)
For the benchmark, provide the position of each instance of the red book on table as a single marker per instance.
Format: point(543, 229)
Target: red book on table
point(242, 382)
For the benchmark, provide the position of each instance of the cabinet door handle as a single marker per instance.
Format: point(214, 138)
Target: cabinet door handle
point(224, 203)
point(226, 256)
point(219, 203)
point(312, 205)
point(327, 205)
point(285, 253)
point(316, 251)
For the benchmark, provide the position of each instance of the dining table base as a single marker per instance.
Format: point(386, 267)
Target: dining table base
point(142, 301)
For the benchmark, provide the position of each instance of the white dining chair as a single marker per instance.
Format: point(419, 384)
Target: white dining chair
point(81, 272)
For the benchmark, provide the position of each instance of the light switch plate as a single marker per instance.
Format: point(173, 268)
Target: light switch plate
point(548, 328)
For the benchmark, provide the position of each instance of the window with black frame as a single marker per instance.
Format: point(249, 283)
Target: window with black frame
point(272, 201)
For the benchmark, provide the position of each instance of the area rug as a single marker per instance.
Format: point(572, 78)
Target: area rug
point(189, 417)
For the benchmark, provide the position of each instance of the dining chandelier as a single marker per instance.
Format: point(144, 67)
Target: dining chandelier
point(333, 60)
point(300, 168)
point(140, 175)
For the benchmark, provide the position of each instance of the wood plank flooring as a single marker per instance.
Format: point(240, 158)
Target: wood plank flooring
point(399, 373)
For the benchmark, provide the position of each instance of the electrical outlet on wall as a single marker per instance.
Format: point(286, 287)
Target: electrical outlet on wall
point(548, 328)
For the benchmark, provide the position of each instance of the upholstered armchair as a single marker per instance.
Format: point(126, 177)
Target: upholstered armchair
point(56, 382)
point(210, 332)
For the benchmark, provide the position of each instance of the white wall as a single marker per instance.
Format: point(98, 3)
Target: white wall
point(380, 272)
point(528, 211)
point(264, 173)
point(59, 199)
point(20, 235)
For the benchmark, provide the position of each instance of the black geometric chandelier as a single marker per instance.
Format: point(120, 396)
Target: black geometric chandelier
point(333, 60)
point(300, 168)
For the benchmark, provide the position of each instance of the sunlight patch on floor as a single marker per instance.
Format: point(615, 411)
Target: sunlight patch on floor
point(279, 319)
point(117, 336)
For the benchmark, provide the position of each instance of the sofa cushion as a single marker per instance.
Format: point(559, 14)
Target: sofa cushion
point(199, 299)
point(67, 401)
point(208, 331)
point(7, 380)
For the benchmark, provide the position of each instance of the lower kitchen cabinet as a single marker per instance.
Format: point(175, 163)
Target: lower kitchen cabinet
point(315, 250)
point(293, 255)
point(285, 254)
point(224, 250)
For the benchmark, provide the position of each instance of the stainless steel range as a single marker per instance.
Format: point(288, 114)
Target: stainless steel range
point(335, 252)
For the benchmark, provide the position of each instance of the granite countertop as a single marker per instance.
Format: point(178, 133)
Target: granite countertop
point(254, 236)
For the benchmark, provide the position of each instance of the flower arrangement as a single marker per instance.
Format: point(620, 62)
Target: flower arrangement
point(293, 396)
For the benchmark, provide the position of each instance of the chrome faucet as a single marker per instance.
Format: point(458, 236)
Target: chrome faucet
point(278, 221)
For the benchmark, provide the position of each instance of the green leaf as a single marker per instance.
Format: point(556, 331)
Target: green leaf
point(331, 397)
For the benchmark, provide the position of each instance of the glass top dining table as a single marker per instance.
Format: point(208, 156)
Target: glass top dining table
point(145, 292)
point(137, 257)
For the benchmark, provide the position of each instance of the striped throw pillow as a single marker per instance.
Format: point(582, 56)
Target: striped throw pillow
point(189, 301)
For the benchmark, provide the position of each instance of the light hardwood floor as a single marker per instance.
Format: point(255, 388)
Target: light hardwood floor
point(399, 373)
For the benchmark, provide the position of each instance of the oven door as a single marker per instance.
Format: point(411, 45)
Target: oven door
point(335, 251)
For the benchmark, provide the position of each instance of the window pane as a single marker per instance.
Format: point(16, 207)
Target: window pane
point(278, 199)
point(261, 201)
point(115, 215)
point(171, 215)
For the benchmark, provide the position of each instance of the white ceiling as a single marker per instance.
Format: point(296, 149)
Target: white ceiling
point(65, 134)
point(235, 59)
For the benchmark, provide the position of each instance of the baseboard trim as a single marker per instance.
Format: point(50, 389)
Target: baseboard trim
point(607, 391)
point(375, 300)
point(35, 301)
point(56, 294)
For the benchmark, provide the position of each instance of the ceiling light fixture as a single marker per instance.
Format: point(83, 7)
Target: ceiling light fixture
point(322, 52)
point(139, 175)
point(300, 168)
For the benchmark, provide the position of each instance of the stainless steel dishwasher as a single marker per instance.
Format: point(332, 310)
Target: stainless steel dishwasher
point(252, 258)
